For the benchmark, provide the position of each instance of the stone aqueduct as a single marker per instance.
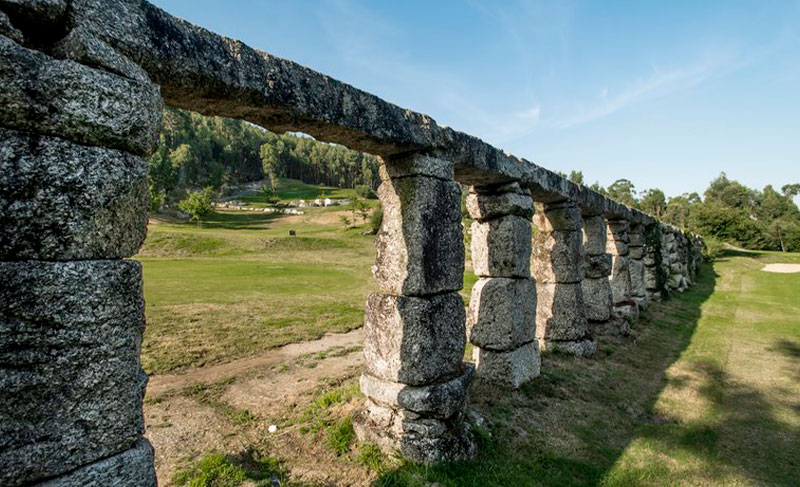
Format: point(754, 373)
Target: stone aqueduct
point(82, 84)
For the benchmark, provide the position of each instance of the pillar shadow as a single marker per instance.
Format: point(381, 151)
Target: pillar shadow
point(571, 425)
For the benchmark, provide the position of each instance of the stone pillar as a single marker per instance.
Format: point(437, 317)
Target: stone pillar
point(561, 322)
point(636, 264)
point(596, 287)
point(502, 309)
point(625, 311)
point(73, 205)
point(416, 382)
point(655, 277)
point(675, 282)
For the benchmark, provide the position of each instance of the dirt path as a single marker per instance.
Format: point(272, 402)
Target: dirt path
point(162, 384)
point(781, 268)
point(184, 419)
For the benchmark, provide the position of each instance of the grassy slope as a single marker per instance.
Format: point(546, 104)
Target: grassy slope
point(706, 394)
point(293, 189)
point(231, 288)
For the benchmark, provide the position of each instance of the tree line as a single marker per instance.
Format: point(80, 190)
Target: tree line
point(195, 151)
point(728, 211)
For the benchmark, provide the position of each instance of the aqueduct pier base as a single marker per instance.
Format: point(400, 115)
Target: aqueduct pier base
point(82, 85)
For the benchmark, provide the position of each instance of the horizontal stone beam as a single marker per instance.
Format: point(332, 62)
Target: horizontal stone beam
point(204, 72)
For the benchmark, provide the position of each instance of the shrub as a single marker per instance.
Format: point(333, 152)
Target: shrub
point(364, 191)
point(198, 204)
point(376, 219)
point(714, 248)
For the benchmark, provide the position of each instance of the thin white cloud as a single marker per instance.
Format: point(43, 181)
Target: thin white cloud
point(658, 83)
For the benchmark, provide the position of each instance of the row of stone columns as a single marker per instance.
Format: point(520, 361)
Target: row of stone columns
point(589, 278)
point(75, 125)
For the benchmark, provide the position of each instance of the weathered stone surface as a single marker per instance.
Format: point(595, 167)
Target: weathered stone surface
point(597, 266)
point(83, 47)
point(565, 216)
point(70, 100)
point(558, 256)
point(132, 468)
point(508, 368)
point(620, 279)
point(483, 206)
point(617, 247)
point(70, 381)
point(635, 239)
point(597, 298)
point(650, 278)
point(41, 11)
point(580, 348)
point(594, 235)
point(502, 247)
point(560, 312)
point(618, 230)
point(414, 341)
point(417, 165)
point(423, 440)
point(62, 201)
point(502, 313)
point(636, 270)
point(622, 319)
point(7, 29)
point(636, 253)
point(441, 400)
point(420, 246)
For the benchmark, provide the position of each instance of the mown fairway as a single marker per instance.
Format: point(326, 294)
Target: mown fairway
point(705, 393)
point(241, 285)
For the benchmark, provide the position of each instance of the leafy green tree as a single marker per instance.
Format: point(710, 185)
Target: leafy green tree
point(596, 186)
point(730, 193)
point(376, 219)
point(198, 204)
point(622, 190)
point(679, 209)
point(790, 190)
point(576, 177)
point(654, 202)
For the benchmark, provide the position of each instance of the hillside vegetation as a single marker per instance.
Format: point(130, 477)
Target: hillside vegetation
point(197, 151)
point(728, 211)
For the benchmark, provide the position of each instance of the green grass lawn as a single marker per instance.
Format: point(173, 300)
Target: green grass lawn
point(293, 189)
point(239, 285)
point(706, 393)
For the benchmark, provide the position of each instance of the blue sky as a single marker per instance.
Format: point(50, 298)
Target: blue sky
point(666, 94)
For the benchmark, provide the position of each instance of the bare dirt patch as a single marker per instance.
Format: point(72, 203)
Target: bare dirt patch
point(228, 407)
point(162, 384)
point(782, 268)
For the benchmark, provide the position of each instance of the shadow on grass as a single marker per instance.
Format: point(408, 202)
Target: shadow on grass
point(742, 432)
point(240, 221)
point(753, 254)
point(570, 426)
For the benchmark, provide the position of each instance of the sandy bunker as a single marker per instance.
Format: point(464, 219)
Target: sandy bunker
point(781, 268)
